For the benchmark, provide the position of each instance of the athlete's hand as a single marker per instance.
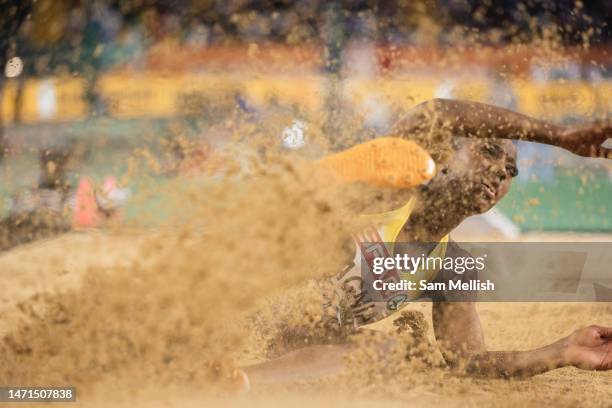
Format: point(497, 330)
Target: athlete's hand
point(586, 140)
point(590, 348)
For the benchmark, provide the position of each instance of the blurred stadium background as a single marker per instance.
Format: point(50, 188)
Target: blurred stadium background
point(116, 75)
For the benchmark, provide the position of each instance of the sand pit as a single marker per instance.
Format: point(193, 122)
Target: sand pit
point(132, 315)
point(106, 341)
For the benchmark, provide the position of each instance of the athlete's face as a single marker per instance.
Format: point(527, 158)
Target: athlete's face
point(476, 176)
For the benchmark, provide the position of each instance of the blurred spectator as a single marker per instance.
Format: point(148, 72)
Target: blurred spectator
point(42, 211)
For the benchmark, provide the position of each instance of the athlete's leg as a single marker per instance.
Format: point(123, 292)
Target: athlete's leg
point(310, 362)
point(388, 162)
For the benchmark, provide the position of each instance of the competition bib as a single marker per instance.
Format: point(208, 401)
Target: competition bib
point(357, 305)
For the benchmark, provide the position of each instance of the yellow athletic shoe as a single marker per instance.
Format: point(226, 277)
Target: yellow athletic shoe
point(383, 162)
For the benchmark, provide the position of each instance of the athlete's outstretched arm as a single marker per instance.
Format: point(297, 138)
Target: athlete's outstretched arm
point(474, 119)
point(459, 334)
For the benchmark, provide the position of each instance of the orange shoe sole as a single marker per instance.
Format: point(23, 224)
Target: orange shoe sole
point(383, 162)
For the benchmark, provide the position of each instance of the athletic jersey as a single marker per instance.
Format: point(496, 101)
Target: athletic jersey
point(356, 306)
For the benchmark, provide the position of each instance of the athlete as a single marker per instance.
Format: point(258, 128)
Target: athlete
point(38, 212)
point(53, 207)
point(476, 161)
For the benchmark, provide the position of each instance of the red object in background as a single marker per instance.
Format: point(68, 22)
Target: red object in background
point(86, 209)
